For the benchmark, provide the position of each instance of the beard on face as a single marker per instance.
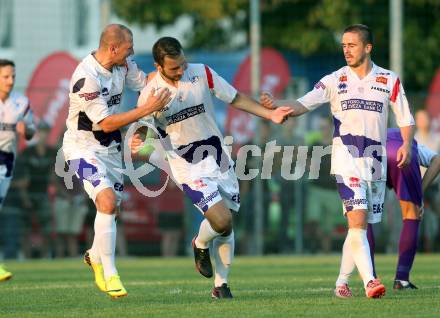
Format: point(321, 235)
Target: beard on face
point(171, 78)
point(359, 61)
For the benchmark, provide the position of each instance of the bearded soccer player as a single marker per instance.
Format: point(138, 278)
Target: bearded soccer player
point(360, 95)
point(199, 160)
point(16, 119)
point(92, 142)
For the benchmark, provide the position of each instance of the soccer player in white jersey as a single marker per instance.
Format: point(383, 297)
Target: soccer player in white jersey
point(360, 95)
point(16, 119)
point(194, 145)
point(92, 142)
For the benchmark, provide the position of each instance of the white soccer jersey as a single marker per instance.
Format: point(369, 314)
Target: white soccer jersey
point(16, 108)
point(96, 93)
point(190, 136)
point(360, 114)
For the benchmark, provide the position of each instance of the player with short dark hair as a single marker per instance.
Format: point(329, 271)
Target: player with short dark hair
point(16, 119)
point(360, 95)
point(199, 160)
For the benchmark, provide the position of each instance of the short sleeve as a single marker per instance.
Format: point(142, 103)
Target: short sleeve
point(319, 95)
point(135, 78)
point(28, 119)
point(149, 119)
point(28, 115)
point(219, 86)
point(87, 93)
point(400, 106)
point(425, 155)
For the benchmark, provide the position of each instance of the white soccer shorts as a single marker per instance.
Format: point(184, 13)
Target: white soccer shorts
point(205, 192)
point(98, 172)
point(357, 194)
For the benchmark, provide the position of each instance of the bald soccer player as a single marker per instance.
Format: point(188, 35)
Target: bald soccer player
point(92, 142)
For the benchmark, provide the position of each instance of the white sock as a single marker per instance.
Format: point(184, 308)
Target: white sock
point(105, 237)
point(223, 251)
point(347, 265)
point(206, 234)
point(360, 250)
point(94, 251)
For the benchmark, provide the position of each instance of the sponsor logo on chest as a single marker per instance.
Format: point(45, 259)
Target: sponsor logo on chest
point(382, 80)
point(185, 114)
point(114, 100)
point(342, 88)
point(362, 104)
point(380, 89)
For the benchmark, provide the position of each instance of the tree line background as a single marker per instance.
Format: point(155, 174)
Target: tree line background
point(304, 26)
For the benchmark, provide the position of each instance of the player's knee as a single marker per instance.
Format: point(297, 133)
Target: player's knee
point(223, 225)
point(106, 206)
point(410, 211)
point(106, 202)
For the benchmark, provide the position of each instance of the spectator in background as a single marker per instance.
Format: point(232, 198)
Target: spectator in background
point(431, 139)
point(38, 163)
point(323, 203)
point(424, 133)
point(70, 210)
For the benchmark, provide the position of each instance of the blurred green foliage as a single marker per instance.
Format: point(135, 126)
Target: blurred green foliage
point(305, 26)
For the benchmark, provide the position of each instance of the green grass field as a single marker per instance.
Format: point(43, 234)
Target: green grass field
point(263, 287)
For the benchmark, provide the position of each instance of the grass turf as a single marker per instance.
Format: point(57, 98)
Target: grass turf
point(291, 286)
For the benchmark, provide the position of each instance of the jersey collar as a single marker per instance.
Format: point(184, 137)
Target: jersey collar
point(367, 77)
point(101, 69)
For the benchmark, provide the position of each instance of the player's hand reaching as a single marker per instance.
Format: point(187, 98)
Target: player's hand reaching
point(20, 128)
point(266, 99)
point(135, 143)
point(156, 100)
point(404, 155)
point(280, 114)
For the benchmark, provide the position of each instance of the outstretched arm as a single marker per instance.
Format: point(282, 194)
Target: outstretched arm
point(431, 173)
point(269, 102)
point(249, 105)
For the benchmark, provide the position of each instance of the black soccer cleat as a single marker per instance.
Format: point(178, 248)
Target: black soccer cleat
point(202, 260)
point(403, 284)
point(222, 292)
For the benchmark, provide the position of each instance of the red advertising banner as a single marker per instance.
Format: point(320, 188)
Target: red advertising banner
point(275, 76)
point(48, 92)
